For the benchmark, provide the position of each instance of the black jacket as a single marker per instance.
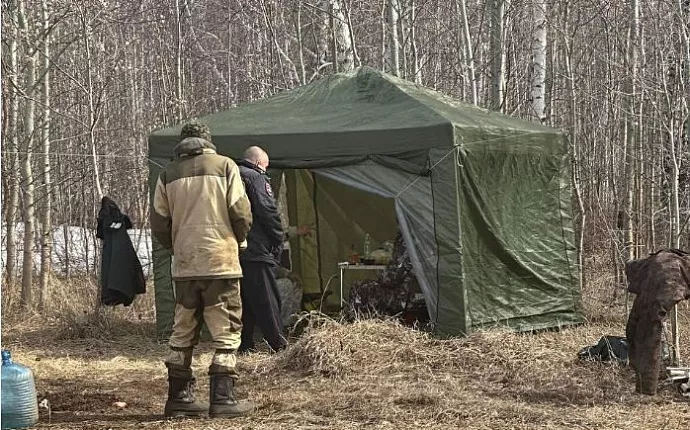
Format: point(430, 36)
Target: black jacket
point(265, 239)
point(121, 274)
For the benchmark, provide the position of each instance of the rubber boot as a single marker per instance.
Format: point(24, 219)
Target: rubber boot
point(181, 400)
point(224, 403)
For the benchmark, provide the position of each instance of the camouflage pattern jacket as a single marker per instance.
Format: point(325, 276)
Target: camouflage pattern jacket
point(201, 212)
point(660, 281)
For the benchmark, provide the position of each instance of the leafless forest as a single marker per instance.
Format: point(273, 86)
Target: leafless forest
point(85, 81)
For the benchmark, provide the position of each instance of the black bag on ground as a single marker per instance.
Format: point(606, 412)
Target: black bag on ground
point(609, 348)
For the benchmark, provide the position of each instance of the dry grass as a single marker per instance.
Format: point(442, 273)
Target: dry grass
point(369, 374)
point(338, 350)
point(71, 302)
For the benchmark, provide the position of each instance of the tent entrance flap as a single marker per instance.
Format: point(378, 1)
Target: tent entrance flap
point(377, 196)
point(341, 215)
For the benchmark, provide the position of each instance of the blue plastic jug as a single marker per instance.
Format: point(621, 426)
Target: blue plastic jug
point(18, 392)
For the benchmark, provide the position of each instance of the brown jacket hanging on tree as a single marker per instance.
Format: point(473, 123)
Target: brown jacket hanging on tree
point(659, 281)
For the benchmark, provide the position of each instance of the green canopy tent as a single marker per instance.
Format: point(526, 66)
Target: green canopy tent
point(482, 199)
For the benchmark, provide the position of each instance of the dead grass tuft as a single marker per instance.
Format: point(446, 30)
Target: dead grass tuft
point(103, 324)
point(337, 350)
point(70, 311)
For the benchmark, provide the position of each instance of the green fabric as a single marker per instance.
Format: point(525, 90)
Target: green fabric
point(502, 247)
point(515, 220)
point(162, 276)
point(451, 307)
point(347, 118)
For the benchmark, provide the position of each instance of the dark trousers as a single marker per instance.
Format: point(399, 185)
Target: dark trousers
point(260, 305)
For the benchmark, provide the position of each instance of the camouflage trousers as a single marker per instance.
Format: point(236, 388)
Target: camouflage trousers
point(217, 303)
point(290, 300)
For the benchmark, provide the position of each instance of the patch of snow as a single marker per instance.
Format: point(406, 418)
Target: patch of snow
point(77, 248)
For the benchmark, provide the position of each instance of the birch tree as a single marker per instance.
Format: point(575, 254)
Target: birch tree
point(633, 56)
point(539, 61)
point(416, 66)
point(576, 168)
point(178, 62)
point(393, 41)
point(11, 140)
point(344, 42)
point(497, 53)
point(86, 27)
point(27, 177)
point(461, 8)
point(46, 185)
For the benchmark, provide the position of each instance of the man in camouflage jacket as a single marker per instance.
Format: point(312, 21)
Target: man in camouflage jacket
point(202, 214)
point(660, 281)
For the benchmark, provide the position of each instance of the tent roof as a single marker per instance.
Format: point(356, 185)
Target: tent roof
point(349, 117)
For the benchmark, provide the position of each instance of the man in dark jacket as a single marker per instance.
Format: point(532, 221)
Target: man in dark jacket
point(260, 295)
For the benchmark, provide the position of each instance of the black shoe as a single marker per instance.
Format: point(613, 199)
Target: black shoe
point(224, 403)
point(246, 351)
point(181, 401)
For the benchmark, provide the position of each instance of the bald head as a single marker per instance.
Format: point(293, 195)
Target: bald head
point(256, 156)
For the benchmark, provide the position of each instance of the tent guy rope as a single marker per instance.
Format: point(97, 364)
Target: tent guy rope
point(76, 154)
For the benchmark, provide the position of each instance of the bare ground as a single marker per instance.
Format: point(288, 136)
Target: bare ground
point(365, 375)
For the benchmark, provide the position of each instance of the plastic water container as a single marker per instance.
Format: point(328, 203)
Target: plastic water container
point(18, 392)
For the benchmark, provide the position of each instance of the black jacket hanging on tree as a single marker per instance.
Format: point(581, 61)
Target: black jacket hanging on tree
point(121, 274)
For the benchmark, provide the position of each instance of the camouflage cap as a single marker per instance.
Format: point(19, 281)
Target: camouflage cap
point(195, 128)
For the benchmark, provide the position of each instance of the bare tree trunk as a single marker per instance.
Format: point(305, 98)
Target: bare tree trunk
point(322, 34)
point(47, 207)
point(539, 61)
point(498, 58)
point(394, 44)
point(675, 233)
point(629, 237)
point(13, 138)
point(86, 29)
point(178, 62)
point(417, 70)
point(281, 52)
point(344, 38)
point(577, 159)
point(27, 174)
point(334, 38)
point(351, 35)
point(300, 44)
point(675, 150)
point(651, 197)
point(384, 53)
point(93, 120)
point(461, 8)
point(228, 59)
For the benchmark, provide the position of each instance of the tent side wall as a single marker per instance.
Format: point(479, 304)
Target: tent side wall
point(162, 281)
point(451, 298)
point(515, 217)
